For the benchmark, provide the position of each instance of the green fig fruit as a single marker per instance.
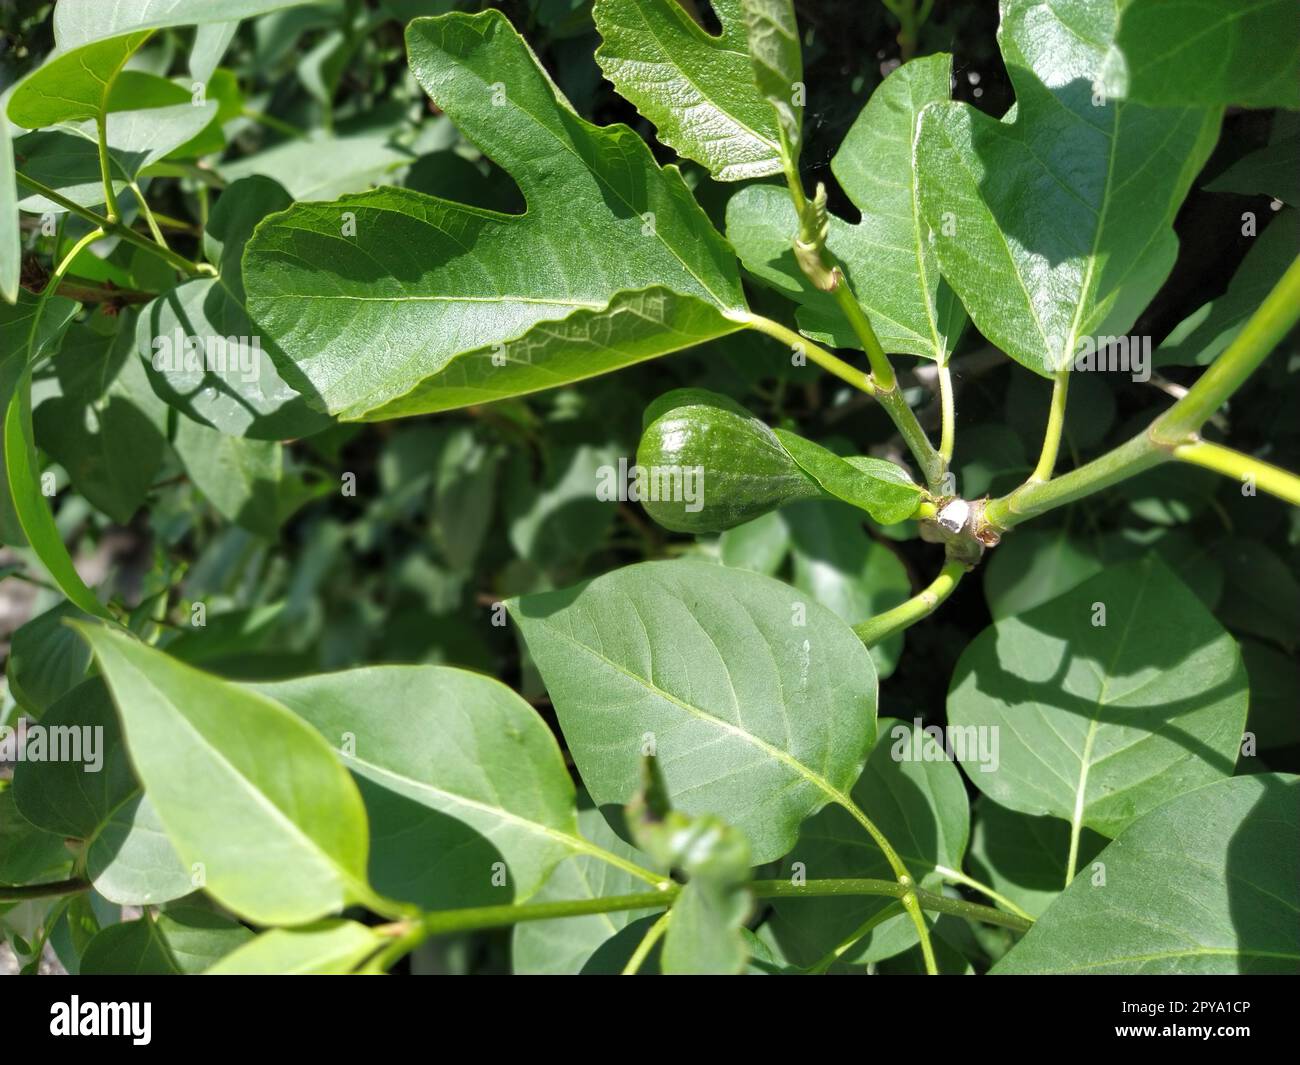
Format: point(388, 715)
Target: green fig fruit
point(706, 464)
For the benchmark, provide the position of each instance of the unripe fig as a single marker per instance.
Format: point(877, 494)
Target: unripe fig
point(707, 464)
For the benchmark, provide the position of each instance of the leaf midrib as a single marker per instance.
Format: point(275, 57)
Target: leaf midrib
point(814, 778)
point(575, 843)
point(258, 795)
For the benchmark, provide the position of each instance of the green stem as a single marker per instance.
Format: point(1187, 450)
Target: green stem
point(819, 266)
point(411, 933)
point(908, 896)
point(653, 934)
point(480, 917)
point(43, 891)
point(799, 198)
point(1243, 468)
point(930, 461)
point(869, 925)
point(1034, 498)
point(882, 370)
point(1055, 424)
point(948, 432)
point(846, 888)
point(86, 291)
point(1177, 427)
point(874, 630)
point(956, 876)
point(158, 237)
point(823, 358)
point(1265, 330)
point(116, 229)
point(110, 200)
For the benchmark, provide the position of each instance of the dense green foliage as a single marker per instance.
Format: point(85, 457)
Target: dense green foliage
point(402, 613)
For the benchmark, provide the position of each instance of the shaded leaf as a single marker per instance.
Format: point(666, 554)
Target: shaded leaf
point(1099, 723)
point(205, 356)
point(451, 764)
point(105, 427)
point(1199, 338)
point(760, 545)
point(46, 659)
point(564, 946)
point(244, 479)
point(841, 567)
point(1230, 846)
point(1024, 857)
point(1177, 52)
point(181, 940)
point(919, 804)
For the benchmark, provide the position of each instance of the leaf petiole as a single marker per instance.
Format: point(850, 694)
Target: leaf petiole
point(1177, 427)
point(870, 924)
point(114, 228)
point(110, 200)
point(921, 605)
point(801, 345)
point(956, 876)
point(158, 237)
point(908, 894)
point(1055, 425)
point(948, 430)
point(1242, 468)
point(653, 934)
point(43, 891)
